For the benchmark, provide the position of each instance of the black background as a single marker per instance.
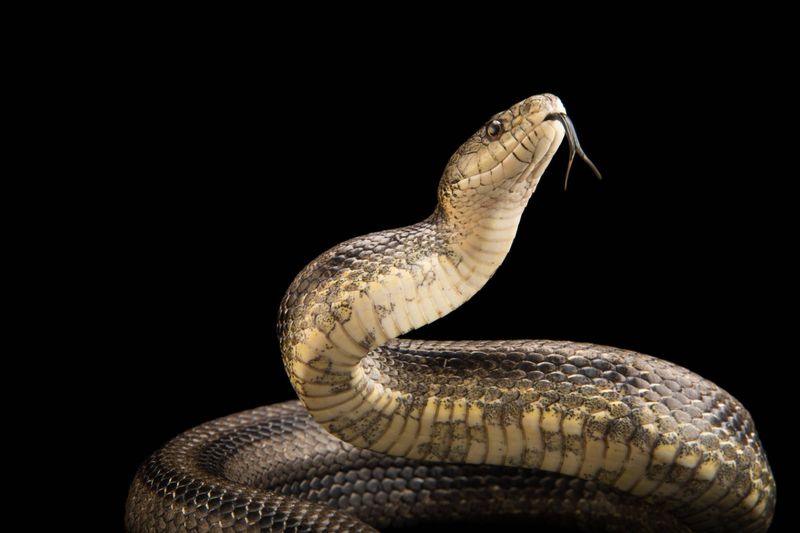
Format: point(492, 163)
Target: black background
point(238, 167)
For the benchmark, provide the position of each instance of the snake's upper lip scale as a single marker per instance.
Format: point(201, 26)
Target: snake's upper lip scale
point(574, 145)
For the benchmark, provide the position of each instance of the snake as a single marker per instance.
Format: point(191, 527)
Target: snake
point(393, 432)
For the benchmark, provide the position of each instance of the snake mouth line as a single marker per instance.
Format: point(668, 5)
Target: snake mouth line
point(574, 145)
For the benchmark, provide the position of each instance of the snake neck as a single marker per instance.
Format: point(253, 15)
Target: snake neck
point(366, 291)
point(371, 289)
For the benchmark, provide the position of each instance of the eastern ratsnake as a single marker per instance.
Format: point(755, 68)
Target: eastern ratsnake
point(393, 432)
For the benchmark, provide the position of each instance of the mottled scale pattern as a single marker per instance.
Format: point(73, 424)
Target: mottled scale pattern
point(698, 438)
point(347, 269)
point(274, 469)
point(554, 430)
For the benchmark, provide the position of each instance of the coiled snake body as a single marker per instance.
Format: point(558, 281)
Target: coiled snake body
point(392, 432)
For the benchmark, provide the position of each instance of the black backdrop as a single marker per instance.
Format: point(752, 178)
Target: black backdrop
point(243, 168)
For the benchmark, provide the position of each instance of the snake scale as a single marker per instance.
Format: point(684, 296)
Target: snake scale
point(392, 432)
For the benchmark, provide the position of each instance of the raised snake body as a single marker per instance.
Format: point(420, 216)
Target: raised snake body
point(399, 431)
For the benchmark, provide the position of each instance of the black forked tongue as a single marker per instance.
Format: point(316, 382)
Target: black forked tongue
point(574, 145)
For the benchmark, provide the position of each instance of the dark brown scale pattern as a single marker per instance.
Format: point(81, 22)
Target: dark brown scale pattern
point(365, 257)
point(497, 369)
point(274, 469)
point(506, 377)
point(342, 271)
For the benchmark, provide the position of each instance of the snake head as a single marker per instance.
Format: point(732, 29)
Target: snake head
point(501, 164)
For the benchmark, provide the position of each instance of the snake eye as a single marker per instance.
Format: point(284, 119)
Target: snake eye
point(494, 129)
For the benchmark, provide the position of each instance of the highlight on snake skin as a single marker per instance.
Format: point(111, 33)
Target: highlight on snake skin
point(394, 432)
